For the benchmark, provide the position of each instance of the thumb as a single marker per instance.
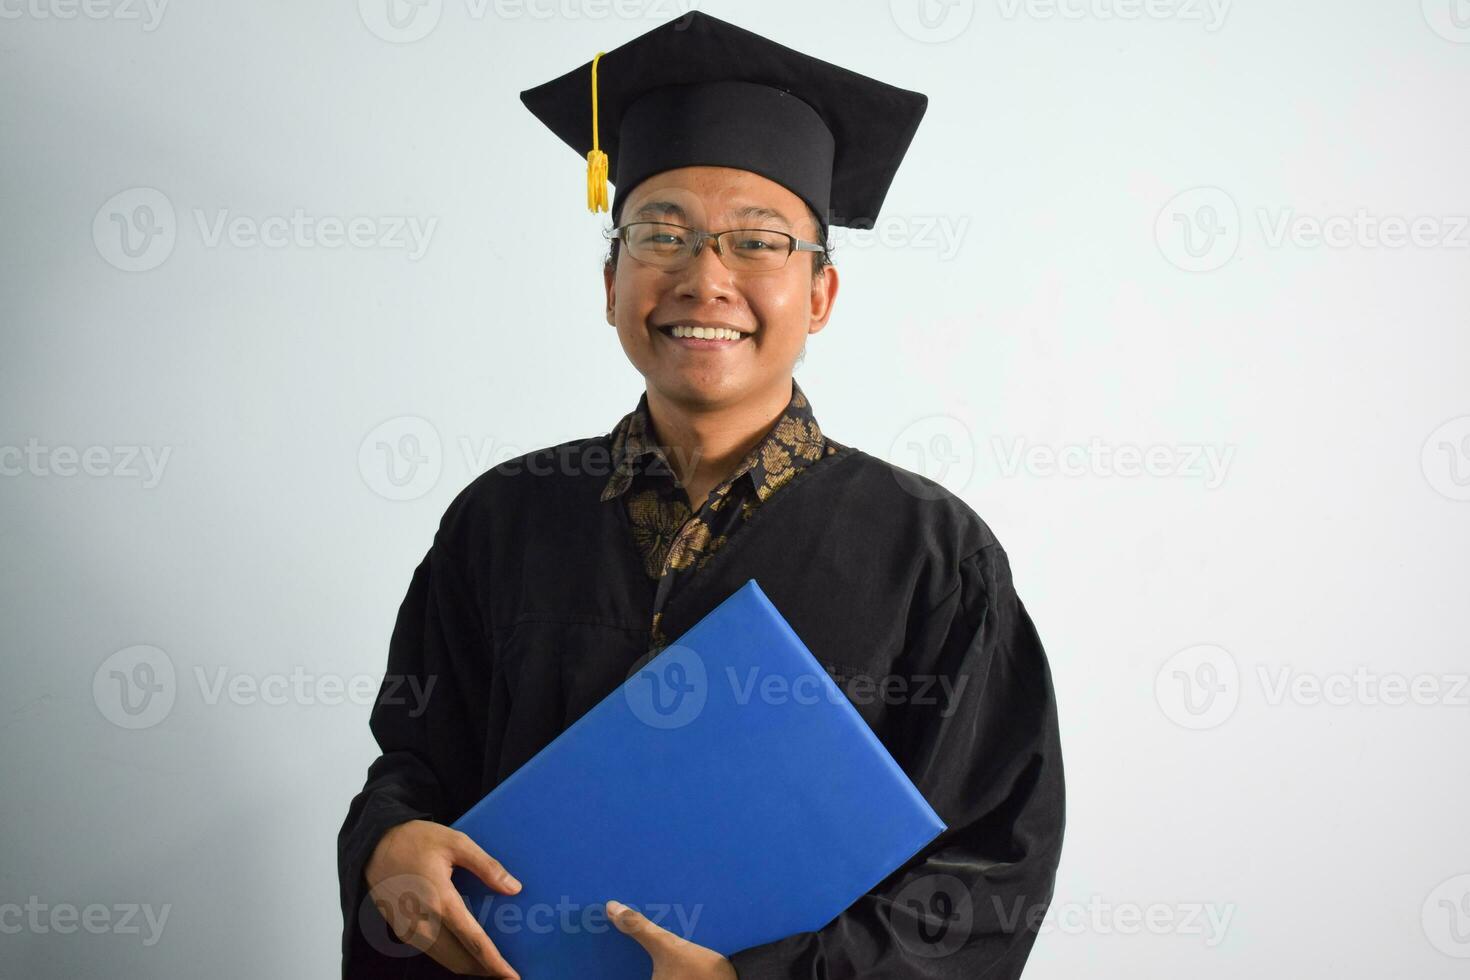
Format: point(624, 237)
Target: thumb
point(468, 854)
point(652, 937)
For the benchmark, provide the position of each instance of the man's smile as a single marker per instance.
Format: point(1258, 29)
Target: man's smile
point(695, 335)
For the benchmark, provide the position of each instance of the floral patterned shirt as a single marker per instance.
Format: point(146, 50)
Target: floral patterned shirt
point(674, 540)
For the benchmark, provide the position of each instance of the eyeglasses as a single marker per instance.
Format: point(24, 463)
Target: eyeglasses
point(670, 247)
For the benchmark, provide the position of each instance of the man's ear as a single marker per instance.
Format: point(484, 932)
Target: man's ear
point(824, 294)
point(609, 276)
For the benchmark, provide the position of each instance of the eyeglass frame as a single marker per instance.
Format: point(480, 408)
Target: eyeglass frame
point(797, 244)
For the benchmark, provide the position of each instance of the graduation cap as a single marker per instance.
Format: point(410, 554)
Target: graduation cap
point(698, 91)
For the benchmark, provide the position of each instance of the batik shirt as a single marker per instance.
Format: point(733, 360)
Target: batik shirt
point(675, 540)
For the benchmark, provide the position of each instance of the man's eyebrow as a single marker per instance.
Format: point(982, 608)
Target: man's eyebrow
point(755, 211)
point(662, 209)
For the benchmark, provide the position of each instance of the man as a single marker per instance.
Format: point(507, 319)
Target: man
point(554, 576)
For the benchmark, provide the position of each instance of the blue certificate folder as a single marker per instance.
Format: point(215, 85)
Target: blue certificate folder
point(729, 790)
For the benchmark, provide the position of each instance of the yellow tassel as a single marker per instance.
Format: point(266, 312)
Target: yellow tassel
point(596, 180)
point(596, 159)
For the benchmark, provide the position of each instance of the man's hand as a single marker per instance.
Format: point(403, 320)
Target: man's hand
point(674, 958)
point(408, 879)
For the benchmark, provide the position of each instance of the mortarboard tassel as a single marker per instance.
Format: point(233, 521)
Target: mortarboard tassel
point(596, 159)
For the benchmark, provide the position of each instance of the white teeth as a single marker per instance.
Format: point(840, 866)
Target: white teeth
point(706, 333)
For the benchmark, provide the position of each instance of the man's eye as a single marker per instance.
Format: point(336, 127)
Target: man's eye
point(660, 241)
point(753, 245)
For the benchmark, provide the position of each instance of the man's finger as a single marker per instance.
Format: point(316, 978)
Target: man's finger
point(450, 953)
point(468, 854)
point(651, 936)
point(457, 917)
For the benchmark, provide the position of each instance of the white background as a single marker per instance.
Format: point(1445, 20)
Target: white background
point(1113, 181)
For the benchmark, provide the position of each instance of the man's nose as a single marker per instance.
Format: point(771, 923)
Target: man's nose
point(705, 274)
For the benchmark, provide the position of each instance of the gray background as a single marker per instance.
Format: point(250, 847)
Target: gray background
point(1100, 245)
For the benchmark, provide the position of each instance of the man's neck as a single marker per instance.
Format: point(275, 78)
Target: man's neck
point(704, 446)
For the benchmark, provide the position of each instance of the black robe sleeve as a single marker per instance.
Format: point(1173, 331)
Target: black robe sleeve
point(422, 725)
point(989, 762)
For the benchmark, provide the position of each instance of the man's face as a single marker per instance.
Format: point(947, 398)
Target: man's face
point(773, 310)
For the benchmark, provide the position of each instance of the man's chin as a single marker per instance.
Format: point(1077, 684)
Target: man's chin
point(698, 390)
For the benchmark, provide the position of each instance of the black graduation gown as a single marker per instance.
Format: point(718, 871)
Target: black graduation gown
point(532, 605)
